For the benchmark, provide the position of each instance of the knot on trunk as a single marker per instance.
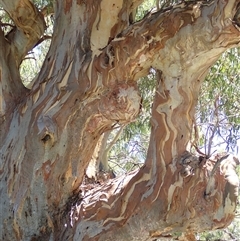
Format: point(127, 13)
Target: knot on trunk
point(46, 129)
point(190, 163)
point(121, 103)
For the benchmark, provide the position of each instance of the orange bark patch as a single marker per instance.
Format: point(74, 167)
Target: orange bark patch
point(68, 5)
point(46, 169)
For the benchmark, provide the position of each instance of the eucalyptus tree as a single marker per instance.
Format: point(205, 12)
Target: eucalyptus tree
point(87, 86)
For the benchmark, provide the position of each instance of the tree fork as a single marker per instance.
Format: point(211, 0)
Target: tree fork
point(45, 154)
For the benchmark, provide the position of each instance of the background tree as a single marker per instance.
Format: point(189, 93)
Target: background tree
point(88, 85)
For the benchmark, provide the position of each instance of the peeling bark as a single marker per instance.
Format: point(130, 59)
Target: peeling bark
point(88, 84)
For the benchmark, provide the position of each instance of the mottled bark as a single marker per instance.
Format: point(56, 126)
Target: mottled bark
point(88, 84)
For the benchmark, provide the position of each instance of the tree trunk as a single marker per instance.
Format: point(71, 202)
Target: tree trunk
point(88, 84)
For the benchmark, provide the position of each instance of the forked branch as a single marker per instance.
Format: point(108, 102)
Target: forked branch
point(29, 26)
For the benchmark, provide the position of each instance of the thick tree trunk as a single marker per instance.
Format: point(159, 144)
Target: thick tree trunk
point(88, 84)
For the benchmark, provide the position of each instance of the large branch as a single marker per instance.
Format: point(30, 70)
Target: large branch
point(107, 26)
point(153, 32)
point(192, 196)
point(28, 29)
point(11, 89)
point(30, 26)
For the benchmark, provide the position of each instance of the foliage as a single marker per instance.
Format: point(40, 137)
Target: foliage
point(218, 112)
point(42, 3)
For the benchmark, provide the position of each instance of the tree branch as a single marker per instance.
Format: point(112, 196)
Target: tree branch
point(30, 26)
point(43, 38)
point(104, 158)
point(28, 30)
